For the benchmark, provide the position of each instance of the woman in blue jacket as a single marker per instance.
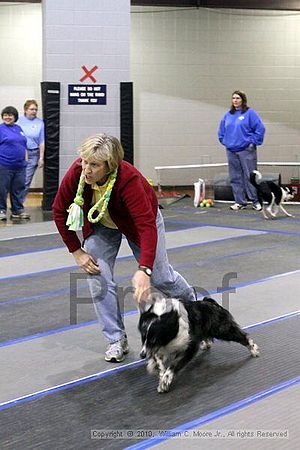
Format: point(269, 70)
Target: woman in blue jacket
point(241, 130)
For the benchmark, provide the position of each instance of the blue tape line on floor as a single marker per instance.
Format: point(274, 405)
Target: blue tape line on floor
point(116, 369)
point(216, 414)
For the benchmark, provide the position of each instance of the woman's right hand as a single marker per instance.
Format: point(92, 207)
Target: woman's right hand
point(86, 262)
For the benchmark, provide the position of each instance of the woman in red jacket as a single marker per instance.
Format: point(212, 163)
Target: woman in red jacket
point(108, 197)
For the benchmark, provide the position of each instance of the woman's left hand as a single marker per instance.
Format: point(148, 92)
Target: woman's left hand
point(41, 163)
point(141, 285)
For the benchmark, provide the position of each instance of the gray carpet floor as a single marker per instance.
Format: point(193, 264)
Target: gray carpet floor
point(41, 348)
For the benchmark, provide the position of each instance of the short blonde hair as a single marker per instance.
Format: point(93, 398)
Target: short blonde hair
point(28, 103)
point(102, 148)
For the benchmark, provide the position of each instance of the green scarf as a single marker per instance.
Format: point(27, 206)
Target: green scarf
point(75, 217)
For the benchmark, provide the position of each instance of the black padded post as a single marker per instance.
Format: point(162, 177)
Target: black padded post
point(222, 187)
point(126, 120)
point(51, 114)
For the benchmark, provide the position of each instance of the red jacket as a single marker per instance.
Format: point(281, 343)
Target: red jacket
point(132, 206)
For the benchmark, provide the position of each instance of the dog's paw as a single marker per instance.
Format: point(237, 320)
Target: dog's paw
point(254, 348)
point(272, 215)
point(205, 345)
point(165, 381)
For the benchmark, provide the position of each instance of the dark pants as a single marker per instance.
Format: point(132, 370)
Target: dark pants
point(12, 181)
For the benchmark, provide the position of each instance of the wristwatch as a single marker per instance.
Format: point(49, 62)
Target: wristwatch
point(146, 270)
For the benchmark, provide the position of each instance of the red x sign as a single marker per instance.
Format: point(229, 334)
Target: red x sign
point(88, 73)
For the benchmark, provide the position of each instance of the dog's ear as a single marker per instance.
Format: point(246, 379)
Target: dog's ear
point(144, 307)
point(291, 190)
point(148, 305)
point(155, 297)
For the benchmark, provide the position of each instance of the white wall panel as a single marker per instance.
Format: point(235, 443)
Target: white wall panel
point(21, 58)
point(185, 65)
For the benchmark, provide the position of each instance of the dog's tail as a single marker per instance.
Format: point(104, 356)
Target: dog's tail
point(255, 177)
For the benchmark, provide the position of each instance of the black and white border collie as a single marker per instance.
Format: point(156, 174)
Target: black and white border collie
point(271, 193)
point(172, 331)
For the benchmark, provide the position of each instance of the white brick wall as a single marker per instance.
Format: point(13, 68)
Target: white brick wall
point(184, 65)
point(91, 32)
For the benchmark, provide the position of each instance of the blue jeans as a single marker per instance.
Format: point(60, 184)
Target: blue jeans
point(32, 165)
point(104, 245)
point(240, 165)
point(12, 181)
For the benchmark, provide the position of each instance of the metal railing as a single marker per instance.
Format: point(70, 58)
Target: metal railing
point(199, 166)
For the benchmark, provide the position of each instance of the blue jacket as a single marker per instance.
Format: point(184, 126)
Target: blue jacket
point(238, 130)
point(12, 146)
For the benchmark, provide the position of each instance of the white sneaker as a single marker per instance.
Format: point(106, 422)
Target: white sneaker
point(237, 206)
point(257, 206)
point(116, 351)
point(21, 215)
point(3, 215)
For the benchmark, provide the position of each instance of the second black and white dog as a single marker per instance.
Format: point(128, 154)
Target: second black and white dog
point(172, 331)
point(271, 193)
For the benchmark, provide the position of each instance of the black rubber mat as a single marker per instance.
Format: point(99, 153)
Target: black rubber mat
point(128, 399)
point(35, 284)
point(30, 244)
point(41, 302)
point(222, 215)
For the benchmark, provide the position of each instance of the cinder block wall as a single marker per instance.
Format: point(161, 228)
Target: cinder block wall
point(89, 33)
point(21, 58)
point(186, 63)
